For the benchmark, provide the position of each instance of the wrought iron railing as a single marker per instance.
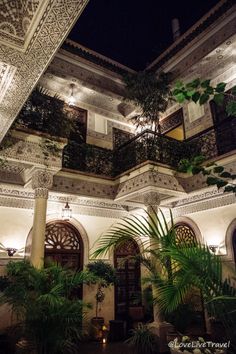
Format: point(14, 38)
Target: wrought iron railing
point(88, 158)
point(147, 146)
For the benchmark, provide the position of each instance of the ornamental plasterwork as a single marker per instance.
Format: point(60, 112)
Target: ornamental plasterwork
point(7, 73)
point(29, 148)
point(226, 199)
point(41, 193)
point(151, 179)
point(56, 21)
point(42, 179)
point(151, 199)
point(16, 18)
point(197, 182)
point(62, 198)
point(84, 188)
point(24, 199)
point(218, 32)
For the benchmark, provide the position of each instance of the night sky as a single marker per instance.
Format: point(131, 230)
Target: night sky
point(135, 32)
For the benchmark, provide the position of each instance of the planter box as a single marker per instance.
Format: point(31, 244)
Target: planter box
point(26, 146)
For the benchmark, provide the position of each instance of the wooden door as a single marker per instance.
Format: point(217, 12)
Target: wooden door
point(63, 245)
point(128, 284)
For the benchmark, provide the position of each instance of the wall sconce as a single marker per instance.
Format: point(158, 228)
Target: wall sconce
point(71, 100)
point(66, 212)
point(213, 248)
point(11, 251)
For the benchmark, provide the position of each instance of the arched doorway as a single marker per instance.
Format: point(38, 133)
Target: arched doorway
point(64, 245)
point(128, 294)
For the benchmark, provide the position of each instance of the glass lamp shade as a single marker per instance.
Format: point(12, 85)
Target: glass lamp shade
point(71, 101)
point(66, 212)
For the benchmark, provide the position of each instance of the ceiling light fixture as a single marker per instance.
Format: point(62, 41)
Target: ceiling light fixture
point(71, 100)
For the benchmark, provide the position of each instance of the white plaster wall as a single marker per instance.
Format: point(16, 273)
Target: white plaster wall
point(15, 226)
point(213, 225)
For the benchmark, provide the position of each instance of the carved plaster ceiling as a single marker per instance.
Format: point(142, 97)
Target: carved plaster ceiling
point(85, 97)
point(217, 62)
point(30, 33)
point(94, 88)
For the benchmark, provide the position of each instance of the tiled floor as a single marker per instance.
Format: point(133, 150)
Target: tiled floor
point(108, 348)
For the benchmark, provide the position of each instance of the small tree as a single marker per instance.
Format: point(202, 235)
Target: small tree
point(149, 92)
point(105, 274)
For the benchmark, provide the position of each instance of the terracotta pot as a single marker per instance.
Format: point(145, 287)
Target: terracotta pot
point(96, 328)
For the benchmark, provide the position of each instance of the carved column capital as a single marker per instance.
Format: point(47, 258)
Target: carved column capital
point(42, 179)
point(152, 201)
point(41, 193)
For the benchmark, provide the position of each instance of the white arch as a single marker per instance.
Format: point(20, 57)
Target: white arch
point(229, 241)
point(74, 222)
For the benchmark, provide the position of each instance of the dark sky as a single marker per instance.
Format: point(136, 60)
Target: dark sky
point(135, 32)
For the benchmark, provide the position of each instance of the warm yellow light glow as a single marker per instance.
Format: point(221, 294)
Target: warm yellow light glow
point(104, 340)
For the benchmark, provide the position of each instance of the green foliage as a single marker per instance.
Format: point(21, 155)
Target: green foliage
point(150, 93)
point(201, 91)
point(175, 269)
point(104, 275)
point(46, 114)
point(216, 175)
point(50, 148)
point(182, 317)
point(49, 313)
point(104, 272)
point(143, 340)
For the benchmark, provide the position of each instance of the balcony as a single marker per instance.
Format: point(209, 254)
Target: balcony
point(147, 146)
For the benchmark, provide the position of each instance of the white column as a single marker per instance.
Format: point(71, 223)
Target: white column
point(41, 182)
point(160, 327)
point(152, 202)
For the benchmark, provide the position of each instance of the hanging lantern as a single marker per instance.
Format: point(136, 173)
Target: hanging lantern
point(71, 100)
point(66, 212)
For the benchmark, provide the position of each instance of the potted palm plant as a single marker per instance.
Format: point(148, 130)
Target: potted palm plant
point(175, 269)
point(105, 275)
point(49, 315)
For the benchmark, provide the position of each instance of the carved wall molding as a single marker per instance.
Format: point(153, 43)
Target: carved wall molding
point(151, 179)
point(24, 199)
point(211, 203)
point(84, 188)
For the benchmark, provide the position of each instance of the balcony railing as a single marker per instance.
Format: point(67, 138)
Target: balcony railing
point(88, 158)
point(147, 146)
